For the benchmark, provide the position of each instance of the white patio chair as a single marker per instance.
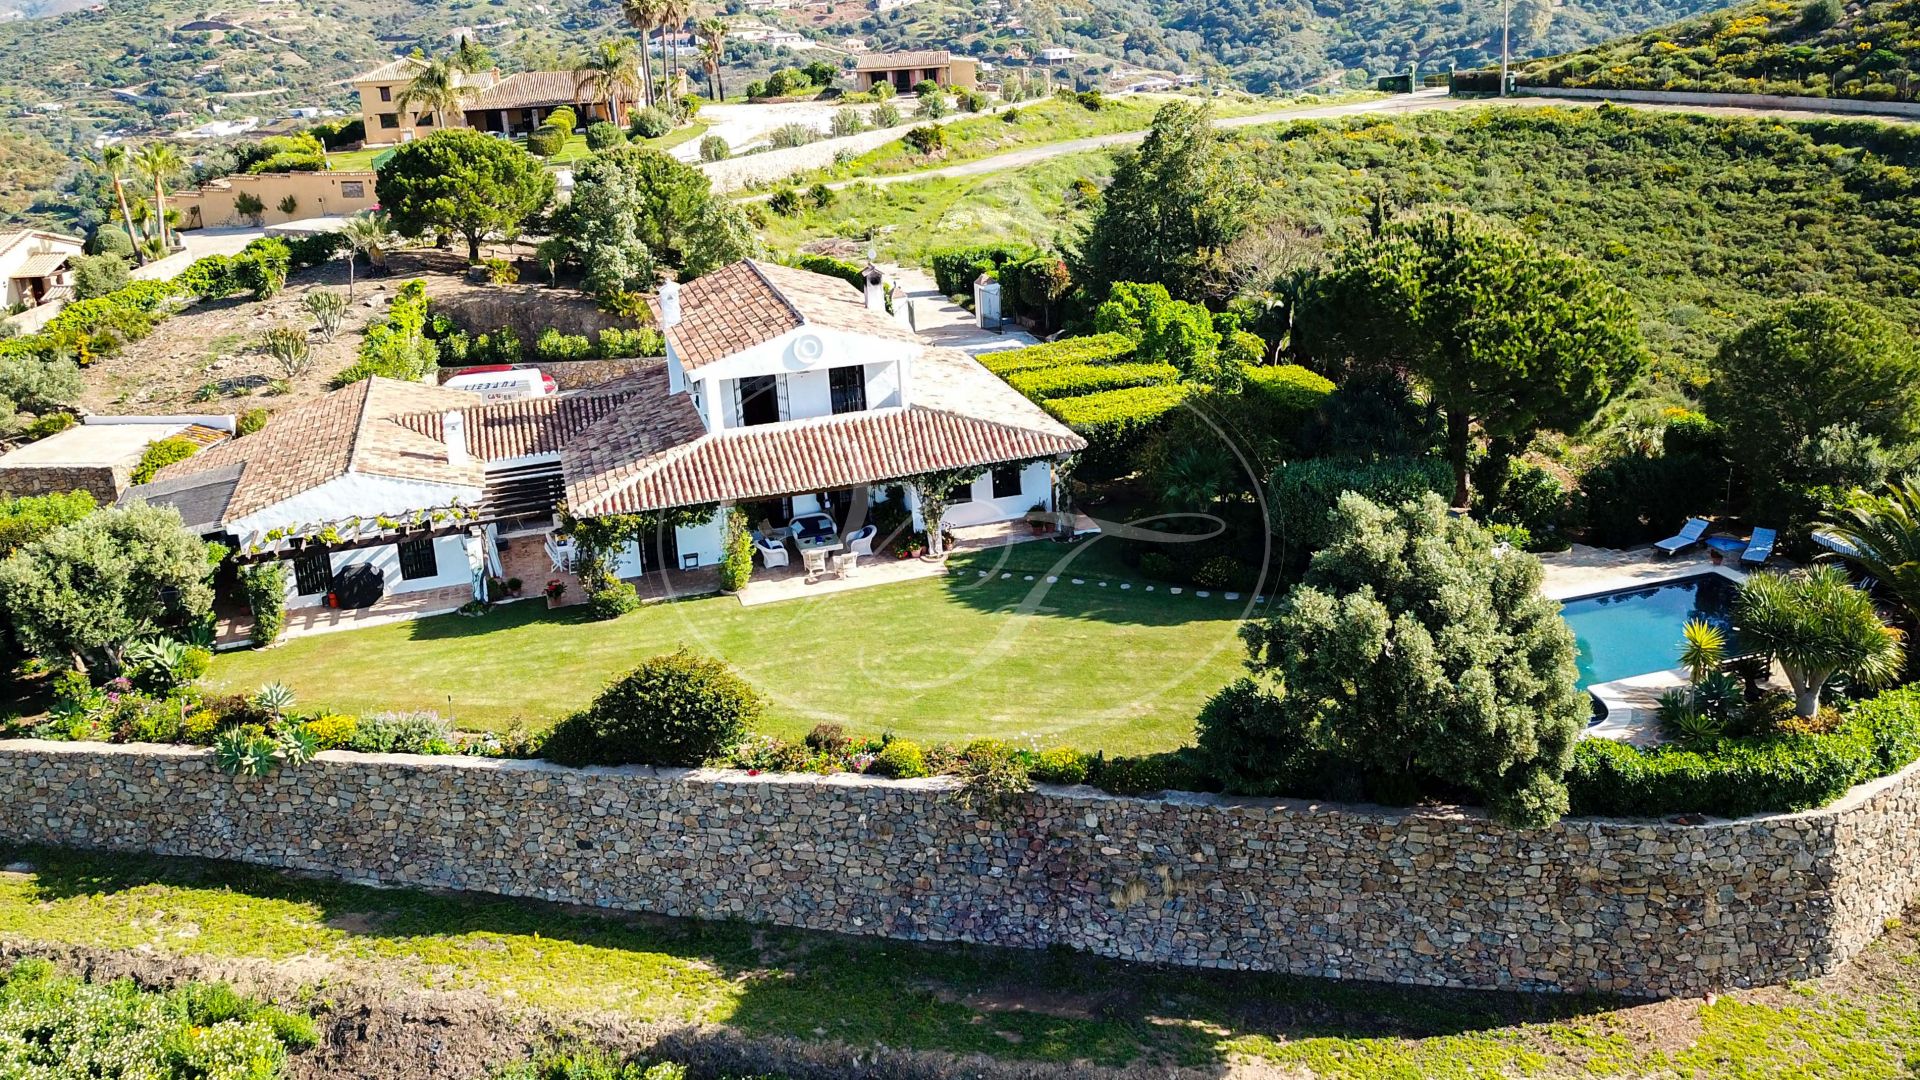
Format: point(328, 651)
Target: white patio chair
point(843, 565)
point(771, 554)
point(560, 553)
point(860, 541)
point(816, 562)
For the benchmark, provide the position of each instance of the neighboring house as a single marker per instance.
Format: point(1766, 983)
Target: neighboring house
point(906, 70)
point(99, 455)
point(782, 392)
point(511, 105)
point(1056, 55)
point(35, 280)
point(314, 194)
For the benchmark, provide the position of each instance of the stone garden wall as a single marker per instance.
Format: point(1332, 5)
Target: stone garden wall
point(1352, 892)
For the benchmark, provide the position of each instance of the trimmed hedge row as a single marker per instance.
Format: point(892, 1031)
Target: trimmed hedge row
point(1094, 349)
point(1077, 380)
point(1738, 777)
point(1116, 423)
point(847, 271)
point(1289, 388)
point(955, 269)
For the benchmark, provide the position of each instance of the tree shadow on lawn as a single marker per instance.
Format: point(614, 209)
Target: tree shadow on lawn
point(1013, 1004)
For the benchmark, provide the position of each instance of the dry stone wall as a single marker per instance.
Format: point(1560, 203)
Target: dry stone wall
point(1646, 908)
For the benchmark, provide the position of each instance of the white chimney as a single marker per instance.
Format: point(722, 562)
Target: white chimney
point(902, 304)
point(876, 290)
point(669, 305)
point(454, 434)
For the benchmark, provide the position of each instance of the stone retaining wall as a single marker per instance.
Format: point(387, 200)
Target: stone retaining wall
point(1643, 908)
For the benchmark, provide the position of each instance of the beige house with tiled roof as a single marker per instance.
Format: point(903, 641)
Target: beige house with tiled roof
point(35, 279)
point(784, 392)
point(906, 70)
point(510, 104)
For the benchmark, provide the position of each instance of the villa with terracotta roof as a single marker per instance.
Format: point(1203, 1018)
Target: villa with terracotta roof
point(510, 104)
point(906, 70)
point(783, 392)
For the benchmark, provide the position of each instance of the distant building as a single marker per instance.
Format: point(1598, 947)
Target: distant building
point(314, 194)
point(905, 70)
point(1056, 54)
point(890, 5)
point(34, 276)
point(512, 105)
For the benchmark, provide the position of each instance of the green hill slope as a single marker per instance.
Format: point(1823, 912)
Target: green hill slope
point(1822, 48)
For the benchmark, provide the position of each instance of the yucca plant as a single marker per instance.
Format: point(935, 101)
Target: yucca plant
point(1703, 646)
point(1818, 626)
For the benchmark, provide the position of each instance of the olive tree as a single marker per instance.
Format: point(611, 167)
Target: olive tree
point(88, 589)
point(1414, 655)
point(1509, 336)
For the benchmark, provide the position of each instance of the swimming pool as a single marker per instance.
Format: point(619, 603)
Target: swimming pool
point(1638, 631)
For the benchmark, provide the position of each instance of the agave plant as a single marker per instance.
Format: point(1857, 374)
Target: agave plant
point(244, 753)
point(1683, 721)
point(274, 699)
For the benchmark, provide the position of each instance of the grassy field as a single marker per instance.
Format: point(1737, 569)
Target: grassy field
point(1033, 204)
point(574, 150)
point(1862, 1024)
point(932, 660)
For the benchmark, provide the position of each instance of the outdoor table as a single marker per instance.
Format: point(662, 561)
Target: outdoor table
point(1726, 545)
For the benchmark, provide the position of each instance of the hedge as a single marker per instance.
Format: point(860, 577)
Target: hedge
point(1303, 493)
point(1737, 777)
point(1288, 388)
point(1075, 380)
point(1093, 349)
point(1116, 422)
point(846, 271)
point(955, 269)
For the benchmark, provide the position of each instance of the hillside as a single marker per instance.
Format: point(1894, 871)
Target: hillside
point(1821, 48)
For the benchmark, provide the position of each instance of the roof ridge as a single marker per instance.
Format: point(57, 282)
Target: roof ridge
point(754, 265)
point(653, 464)
point(360, 423)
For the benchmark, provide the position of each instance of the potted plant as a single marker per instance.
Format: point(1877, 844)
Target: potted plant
point(555, 591)
point(515, 586)
point(1038, 519)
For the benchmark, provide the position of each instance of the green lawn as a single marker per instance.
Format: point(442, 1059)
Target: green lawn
point(933, 660)
point(1017, 1006)
point(574, 150)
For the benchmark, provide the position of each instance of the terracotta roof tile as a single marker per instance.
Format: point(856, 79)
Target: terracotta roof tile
point(932, 58)
point(752, 302)
point(530, 88)
point(505, 430)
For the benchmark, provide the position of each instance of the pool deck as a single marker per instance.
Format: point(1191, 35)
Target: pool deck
point(1632, 703)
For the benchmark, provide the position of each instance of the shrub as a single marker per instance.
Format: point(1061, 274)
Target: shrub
point(397, 348)
point(848, 122)
point(886, 116)
point(313, 250)
point(95, 276)
point(785, 202)
point(328, 308)
point(993, 778)
point(926, 139)
point(851, 273)
point(1303, 493)
point(564, 118)
point(714, 148)
point(955, 269)
point(546, 141)
point(605, 136)
point(1060, 765)
point(615, 343)
point(1288, 388)
point(250, 421)
point(1173, 770)
point(554, 345)
point(1093, 349)
point(110, 240)
point(614, 599)
point(787, 136)
point(210, 277)
point(651, 123)
point(333, 731)
point(402, 733)
point(675, 709)
point(736, 561)
point(1073, 380)
point(262, 266)
point(899, 759)
point(160, 454)
point(1732, 778)
point(1116, 423)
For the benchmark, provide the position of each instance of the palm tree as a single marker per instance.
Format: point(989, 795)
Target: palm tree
point(158, 163)
point(714, 29)
point(1818, 626)
point(113, 159)
point(610, 71)
point(644, 15)
point(1884, 535)
point(673, 18)
point(438, 89)
point(366, 234)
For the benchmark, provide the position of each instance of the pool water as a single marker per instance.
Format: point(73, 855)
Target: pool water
point(1638, 631)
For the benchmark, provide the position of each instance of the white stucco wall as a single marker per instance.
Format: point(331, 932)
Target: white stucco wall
point(703, 541)
point(1035, 487)
point(450, 557)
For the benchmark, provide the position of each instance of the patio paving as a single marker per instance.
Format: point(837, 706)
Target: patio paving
point(1583, 571)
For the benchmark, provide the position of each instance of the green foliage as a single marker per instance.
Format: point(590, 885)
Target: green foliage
point(1883, 532)
point(651, 123)
point(1288, 389)
point(90, 588)
point(614, 599)
point(397, 348)
point(1415, 657)
point(849, 272)
point(161, 453)
point(1810, 370)
point(1170, 213)
point(605, 136)
point(545, 141)
point(886, 116)
point(463, 181)
point(956, 269)
point(328, 308)
point(261, 267)
point(714, 148)
point(564, 118)
point(1819, 49)
point(1511, 337)
point(1116, 423)
point(1073, 380)
point(56, 1027)
point(736, 560)
point(265, 586)
point(675, 709)
point(97, 275)
point(993, 779)
point(1304, 494)
point(28, 518)
point(1816, 625)
point(1732, 777)
point(635, 209)
point(927, 138)
point(250, 421)
point(900, 759)
point(110, 240)
point(1067, 352)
